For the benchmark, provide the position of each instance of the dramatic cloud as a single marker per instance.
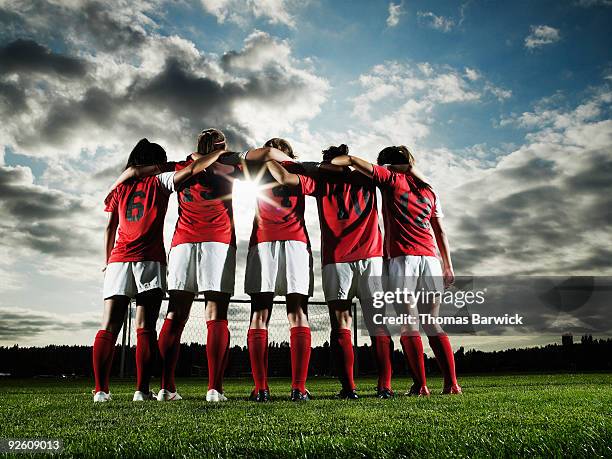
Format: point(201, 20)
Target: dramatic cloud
point(547, 201)
point(240, 11)
point(395, 11)
point(541, 35)
point(441, 23)
point(36, 218)
point(409, 93)
point(17, 324)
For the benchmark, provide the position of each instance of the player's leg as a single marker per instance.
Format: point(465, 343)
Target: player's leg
point(403, 275)
point(341, 320)
point(257, 342)
point(338, 289)
point(300, 344)
point(119, 287)
point(369, 277)
point(260, 283)
point(182, 287)
point(216, 272)
point(169, 342)
point(148, 304)
point(296, 281)
point(431, 280)
point(115, 308)
point(217, 342)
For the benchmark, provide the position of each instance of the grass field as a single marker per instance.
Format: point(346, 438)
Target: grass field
point(542, 415)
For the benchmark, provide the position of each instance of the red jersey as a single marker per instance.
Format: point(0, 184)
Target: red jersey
point(348, 215)
point(407, 210)
point(280, 211)
point(205, 205)
point(141, 205)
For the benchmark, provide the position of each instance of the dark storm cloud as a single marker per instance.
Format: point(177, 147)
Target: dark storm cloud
point(96, 106)
point(530, 226)
point(17, 324)
point(25, 56)
point(12, 97)
point(186, 94)
point(25, 201)
point(36, 217)
point(107, 31)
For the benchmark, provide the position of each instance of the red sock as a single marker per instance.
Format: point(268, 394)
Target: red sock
point(381, 344)
point(412, 346)
point(341, 338)
point(300, 342)
point(257, 341)
point(169, 347)
point(103, 352)
point(146, 347)
point(441, 347)
point(217, 343)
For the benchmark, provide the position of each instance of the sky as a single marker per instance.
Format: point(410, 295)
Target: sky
point(506, 106)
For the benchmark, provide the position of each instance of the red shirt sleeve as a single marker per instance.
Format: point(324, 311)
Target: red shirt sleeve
point(111, 203)
point(382, 176)
point(308, 185)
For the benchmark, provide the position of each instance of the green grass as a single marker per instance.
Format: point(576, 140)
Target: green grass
point(527, 415)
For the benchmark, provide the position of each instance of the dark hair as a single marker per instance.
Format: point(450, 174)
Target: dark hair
point(334, 151)
point(210, 140)
point(282, 145)
point(395, 155)
point(146, 153)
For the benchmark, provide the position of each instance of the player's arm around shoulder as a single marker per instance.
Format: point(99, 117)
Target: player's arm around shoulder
point(282, 175)
point(355, 162)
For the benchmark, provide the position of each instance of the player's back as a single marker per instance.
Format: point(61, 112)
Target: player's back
point(407, 210)
point(205, 206)
point(280, 211)
point(141, 205)
point(348, 217)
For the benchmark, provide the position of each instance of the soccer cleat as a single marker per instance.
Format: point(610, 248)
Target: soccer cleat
point(101, 396)
point(384, 393)
point(348, 394)
point(260, 396)
point(297, 396)
point(140, 396)
point(455, 389)
point(214, 395)
point(419, 391)
point(167, 396)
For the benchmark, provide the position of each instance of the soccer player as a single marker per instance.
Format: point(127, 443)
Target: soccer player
point(411, 211)
point(351, 246)
point(279, 262)
point(202, 259)
point(136, 263)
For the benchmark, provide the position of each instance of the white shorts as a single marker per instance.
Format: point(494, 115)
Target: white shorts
point(281, 267)
point(132, 277)
point(361, 279)
point(413, 272)
point(198, 267)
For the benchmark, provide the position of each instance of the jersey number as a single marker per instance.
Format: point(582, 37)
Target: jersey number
point(420, 218)
point(343, 212)
point(188, 197)
point(282, 192)
point(133, 205)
